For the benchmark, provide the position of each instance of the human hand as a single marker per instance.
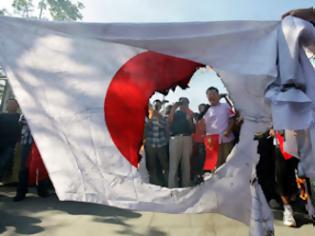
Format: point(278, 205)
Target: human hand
point(156, 114)
point(272, 132)
point(307, 14)
point(189, 117)
point(177, 104)
point(239, 120)
point(227, 133)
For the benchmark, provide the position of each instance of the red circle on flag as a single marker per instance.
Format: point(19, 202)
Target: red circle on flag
point(126, 101)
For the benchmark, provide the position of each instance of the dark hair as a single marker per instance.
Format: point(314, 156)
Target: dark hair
point(157, 101)
point(212, 89)
point(12, 99)
point(202, 104)
point(184, 100)
point(203, 112)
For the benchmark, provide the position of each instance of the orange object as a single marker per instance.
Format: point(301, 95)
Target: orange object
point(301, 183)
point(36, 168)
point(212, 151)
point(280, 140)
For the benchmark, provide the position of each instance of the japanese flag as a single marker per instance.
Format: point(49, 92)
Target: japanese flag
point(84, 89)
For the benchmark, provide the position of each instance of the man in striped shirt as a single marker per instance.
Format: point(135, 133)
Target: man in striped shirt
point(156, 142)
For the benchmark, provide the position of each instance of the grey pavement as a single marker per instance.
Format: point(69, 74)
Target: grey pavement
point(48, 216)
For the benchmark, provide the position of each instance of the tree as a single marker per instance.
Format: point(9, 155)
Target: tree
point(61, 9)
point(3, 12)
point(23, 7)
point(67, 10)
point(42, 5)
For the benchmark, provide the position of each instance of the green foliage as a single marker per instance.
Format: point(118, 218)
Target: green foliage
point(67, 10)
point(23, 7)
point(63, 9)
point(42, 6)
point(3, 12)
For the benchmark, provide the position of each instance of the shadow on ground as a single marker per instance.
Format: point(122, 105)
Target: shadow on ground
point(300, 218)
point(22, 224)
point(19, 214)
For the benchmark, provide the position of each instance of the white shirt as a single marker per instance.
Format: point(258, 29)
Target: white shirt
point(217, 121)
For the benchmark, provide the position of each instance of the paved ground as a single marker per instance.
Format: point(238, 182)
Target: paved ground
point(38, 216)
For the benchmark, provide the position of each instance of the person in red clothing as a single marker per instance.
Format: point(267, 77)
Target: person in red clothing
point(219, 120)
point(285, 166)
point(199, 147)
point(27, 144)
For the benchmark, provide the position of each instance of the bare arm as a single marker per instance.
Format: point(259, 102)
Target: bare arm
point(230, 127)
point(191, 122)
point(172, 112)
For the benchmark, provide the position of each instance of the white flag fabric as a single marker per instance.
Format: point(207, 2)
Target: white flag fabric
point(81, 86)
point(291, 94)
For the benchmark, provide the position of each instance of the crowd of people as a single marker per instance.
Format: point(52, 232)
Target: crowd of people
point(174, 141)
point(15, 132)
point(181, 134)
point(279, 175)
point(175, 150)
point(174, 144)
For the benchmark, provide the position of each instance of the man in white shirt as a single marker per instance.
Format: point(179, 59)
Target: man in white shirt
point(220, 120)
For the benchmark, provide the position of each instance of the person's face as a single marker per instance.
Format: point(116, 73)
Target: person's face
point(12, 106)
point(184, 105)
point(201, 108)
point(157, 106)
point(168, 110)
point(213, 97)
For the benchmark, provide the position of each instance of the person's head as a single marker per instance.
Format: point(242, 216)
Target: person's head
point(12, 105)
point(168, 109)
point(213, 95)
point(196, 116)
point(184, 103)
point(157, 105)
point(202, 107)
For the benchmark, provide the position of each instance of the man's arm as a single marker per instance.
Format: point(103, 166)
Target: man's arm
point(172, 112)
point(230, 127)
point(190, 118)
point(166, 127)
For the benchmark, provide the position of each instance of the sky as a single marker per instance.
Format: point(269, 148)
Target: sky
point(188, 10)
point(182, 10)
point(185, 10)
